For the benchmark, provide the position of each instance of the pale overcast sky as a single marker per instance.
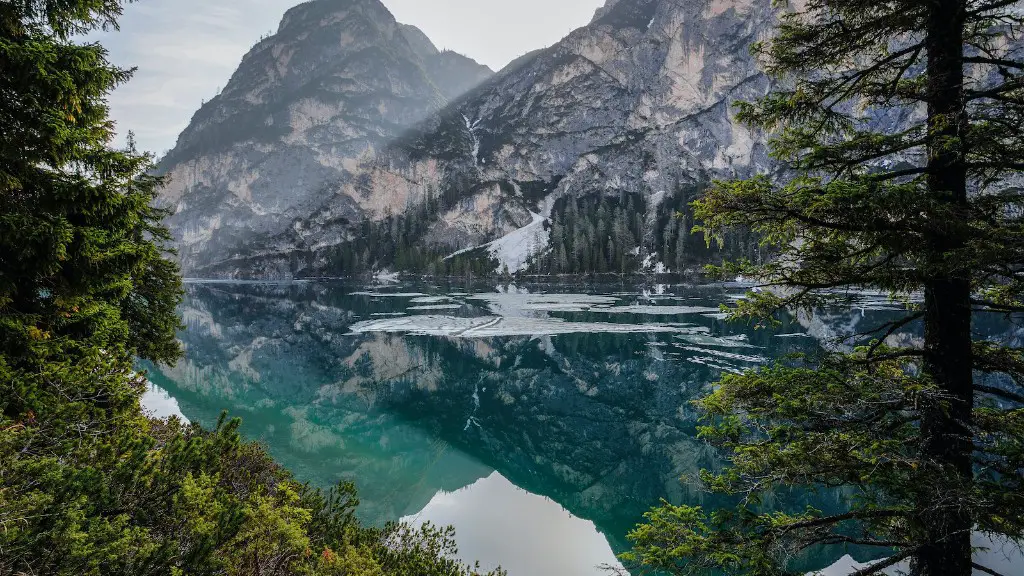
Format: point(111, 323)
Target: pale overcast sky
point(186, 49)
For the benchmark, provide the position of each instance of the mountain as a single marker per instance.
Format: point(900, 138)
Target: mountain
point(574, 158)
point(307, 105)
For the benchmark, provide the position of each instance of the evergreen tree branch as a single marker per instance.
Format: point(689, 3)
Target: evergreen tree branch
point(893, 328)
point(999, 392)
point(994, 62)
point(887, 563)
point(985, 569)
point(990, 7)
point(839, 518)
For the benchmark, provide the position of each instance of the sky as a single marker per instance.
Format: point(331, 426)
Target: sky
point(185, 50)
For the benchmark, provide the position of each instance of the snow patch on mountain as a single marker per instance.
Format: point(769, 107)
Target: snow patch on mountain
point(514, 250)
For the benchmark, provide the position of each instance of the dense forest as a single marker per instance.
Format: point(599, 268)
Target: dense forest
point(594, 234)
point(624, 235)
point(396, 242)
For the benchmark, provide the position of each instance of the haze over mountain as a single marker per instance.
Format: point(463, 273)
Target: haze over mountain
point(342, 144)
point(185, 50)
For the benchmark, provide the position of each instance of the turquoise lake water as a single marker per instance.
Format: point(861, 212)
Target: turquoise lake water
point(541, 421)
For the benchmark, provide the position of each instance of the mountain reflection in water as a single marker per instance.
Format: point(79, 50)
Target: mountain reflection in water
point(487, 407)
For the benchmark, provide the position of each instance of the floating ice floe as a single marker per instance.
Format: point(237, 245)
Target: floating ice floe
point(493, 326)
point(875, 299)
point(726, 355)
point(428, 307)
point(431, 299)
point(711, 363)
point(654, 310)
point(738, 341)
point(514, 303)
point(389, 294)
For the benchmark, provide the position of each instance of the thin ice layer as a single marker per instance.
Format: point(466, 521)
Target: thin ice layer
point(493, 326)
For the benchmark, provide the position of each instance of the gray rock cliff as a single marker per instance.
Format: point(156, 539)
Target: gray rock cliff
point(307, 105)
point(636, 102)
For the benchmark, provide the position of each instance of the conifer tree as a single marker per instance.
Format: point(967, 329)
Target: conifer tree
point(900, 122)
point(82, 251)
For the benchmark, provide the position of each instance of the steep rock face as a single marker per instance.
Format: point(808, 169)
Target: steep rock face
point(636, 102)
point(339, 80)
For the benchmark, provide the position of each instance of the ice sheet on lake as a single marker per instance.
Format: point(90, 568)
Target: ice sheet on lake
point(726, 355)
point(738, 341)
point(711, 363)
point(427, 307)
point(654, 310)
point(431, 299)
point(493, 326)
point(876, 300)
point(389, 294)
point(513, 303)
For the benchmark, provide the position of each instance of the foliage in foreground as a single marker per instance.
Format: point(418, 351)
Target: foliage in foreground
point(88, 484)
point(901, 124)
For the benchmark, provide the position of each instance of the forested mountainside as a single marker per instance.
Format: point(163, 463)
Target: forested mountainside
point(575, 158)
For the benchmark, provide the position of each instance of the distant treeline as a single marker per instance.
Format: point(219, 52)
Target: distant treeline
point(597, 234)
point(620, 234)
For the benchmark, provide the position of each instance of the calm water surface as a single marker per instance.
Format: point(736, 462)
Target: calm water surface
point(541, 421)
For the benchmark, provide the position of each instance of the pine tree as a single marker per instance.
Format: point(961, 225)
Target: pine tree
point(901, 122)
point(82, 250)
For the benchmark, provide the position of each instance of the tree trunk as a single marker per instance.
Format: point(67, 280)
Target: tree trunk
point(946, 440)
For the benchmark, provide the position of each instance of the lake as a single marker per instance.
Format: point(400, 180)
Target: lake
point(541, 421)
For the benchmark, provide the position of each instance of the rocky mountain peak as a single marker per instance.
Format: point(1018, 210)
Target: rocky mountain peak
point(353, 139)
point(419, 41)
point(603, 10)
point(337, 81)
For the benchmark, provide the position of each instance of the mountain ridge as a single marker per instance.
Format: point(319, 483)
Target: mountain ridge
point(631, 110)
point(338, 80)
